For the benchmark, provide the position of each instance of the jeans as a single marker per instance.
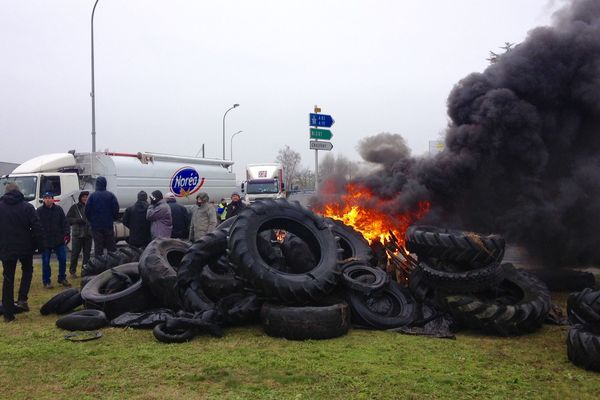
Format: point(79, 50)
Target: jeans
point(61, 255)
point(78, 244)
point(104, 239)
point(8, 285)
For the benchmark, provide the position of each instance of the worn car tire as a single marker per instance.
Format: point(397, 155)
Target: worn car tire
point(218, 285)
point(393, 307)
point(362, 278)
point(355, 247)
point(292, 217)
point(135, 298)
point(164, 335)
point(70, 304)
point(301, 323)
point(85, 320)
point(584, 307)
point(453, 245)
point(519, 305)
point(52, 305)
point(583, 346)
point(158, 268)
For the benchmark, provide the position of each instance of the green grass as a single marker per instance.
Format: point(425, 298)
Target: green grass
point(37, 363)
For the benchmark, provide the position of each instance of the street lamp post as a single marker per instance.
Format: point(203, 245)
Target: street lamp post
point(93, 92)
point(231, 144)
point(231, 108)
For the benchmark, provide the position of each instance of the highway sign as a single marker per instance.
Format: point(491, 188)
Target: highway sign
point(316, 145)
point(324, 134)
point(323, 120)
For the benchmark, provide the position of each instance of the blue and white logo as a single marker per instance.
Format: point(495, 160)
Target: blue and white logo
point(185, 182)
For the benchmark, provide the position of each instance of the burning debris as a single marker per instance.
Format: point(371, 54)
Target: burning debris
point(522, 154)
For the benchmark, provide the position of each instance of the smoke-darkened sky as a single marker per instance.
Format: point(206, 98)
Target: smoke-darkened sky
point(522, 153)
point(166, 71)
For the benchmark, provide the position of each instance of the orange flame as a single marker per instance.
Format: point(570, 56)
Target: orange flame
point(361, 209)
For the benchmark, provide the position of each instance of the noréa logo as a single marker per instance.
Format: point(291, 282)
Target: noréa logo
point(185, 182)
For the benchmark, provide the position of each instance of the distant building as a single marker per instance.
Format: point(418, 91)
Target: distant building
point(7, 167)
point(436, 146)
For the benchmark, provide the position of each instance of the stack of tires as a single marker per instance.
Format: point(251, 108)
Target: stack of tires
point(99, 264)
point(583, 339)
point(461, 273)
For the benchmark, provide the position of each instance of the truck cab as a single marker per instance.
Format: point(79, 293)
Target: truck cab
point(263, 181)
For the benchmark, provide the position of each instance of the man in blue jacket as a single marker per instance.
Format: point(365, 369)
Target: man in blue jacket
point(101, 209)
point(56, 236)
point(20, 236)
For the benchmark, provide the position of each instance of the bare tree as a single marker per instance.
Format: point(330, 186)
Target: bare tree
point(306, 178)
point(290, 160)
point(340, 167)
point(493, 58)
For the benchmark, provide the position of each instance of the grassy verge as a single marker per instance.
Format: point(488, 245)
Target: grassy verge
point(37, 363)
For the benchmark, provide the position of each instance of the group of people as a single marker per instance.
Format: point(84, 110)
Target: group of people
point(25, 230)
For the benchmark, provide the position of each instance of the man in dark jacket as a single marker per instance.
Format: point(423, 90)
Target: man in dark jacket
point(179, 217)
point(81, 235)
point(135, 219)
point(20, 236)
point(101, 209)
point(56, 236)
point(235, 207)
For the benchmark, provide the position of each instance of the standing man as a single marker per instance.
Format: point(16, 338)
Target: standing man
point(159, 215)
point(56, 236)
point(80, 233)
point(222, 211)
point(236, 205)
point(180, 218)
point(204, 217)
point(135, 219)
point(101, 209)
point(20, 236)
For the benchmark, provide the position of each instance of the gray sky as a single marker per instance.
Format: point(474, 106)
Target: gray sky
point(166, 71)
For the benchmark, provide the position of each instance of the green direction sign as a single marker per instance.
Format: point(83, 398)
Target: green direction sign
point(324, 134)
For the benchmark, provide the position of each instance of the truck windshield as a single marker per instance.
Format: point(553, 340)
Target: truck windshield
point(262, 187)
point(27, 184)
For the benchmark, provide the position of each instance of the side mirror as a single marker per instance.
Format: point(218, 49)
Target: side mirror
point(242, 186)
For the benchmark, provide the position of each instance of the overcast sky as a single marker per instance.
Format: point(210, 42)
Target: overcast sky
point(166, 71)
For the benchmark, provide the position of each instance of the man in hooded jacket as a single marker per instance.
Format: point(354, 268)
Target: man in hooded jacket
point(101, 209)
point(20, 236)
point(135, 219)
point(180, 218)
point(204, 217)
point(159, 215)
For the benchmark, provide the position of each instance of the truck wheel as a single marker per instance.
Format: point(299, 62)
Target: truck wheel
point(392, 308)
point(302, 323)
point(85, 320)
point(135, 298)
point(518, 305)
point(158, 268)
point(469, 248)
point(584, 307)
point(291, 217)
point(353, 243)
point(583, 346)
point(297, 254)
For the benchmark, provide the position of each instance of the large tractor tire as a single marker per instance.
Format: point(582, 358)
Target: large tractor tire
point(301, 288)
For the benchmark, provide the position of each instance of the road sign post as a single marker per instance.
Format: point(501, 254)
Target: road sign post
point(316, 121)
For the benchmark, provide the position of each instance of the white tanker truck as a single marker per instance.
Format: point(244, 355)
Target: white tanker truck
point(67, 174)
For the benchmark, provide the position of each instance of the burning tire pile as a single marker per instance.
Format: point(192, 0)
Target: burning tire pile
point(303, 276)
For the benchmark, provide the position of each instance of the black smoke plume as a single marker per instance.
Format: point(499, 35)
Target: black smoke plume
point(522, 153)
